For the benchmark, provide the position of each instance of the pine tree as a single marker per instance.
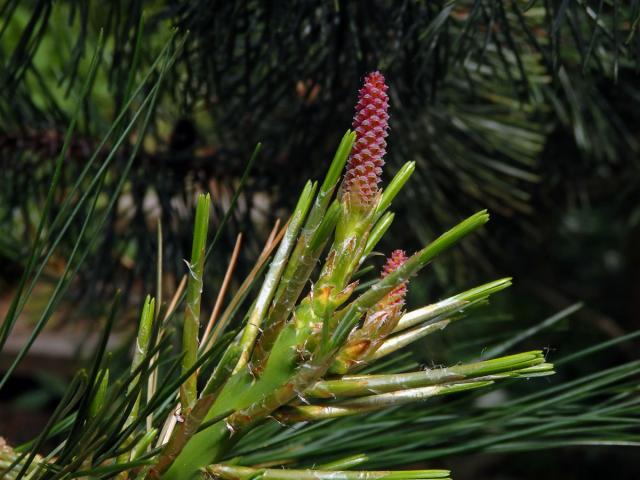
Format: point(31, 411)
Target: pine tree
point(321, 358)
point(481, 94)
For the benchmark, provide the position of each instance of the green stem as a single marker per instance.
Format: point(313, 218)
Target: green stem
point(272, 278)
point(451, 304)
point(234, 472)
point(306, 253)
point(307, 413)
point(345, 463)
point(395, 343)
point(141, 348)
point(358, 385)
point(188, 390)
point(142, 345)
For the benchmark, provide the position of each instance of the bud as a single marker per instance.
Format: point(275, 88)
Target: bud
point(395, 298)
point(382, 318)
point(379, 323)
point(371, 122)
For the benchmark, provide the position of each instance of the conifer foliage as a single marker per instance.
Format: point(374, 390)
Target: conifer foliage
point(303, 369)
point(300, 355)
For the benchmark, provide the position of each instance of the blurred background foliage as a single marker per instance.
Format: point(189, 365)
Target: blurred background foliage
point(530, 109)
